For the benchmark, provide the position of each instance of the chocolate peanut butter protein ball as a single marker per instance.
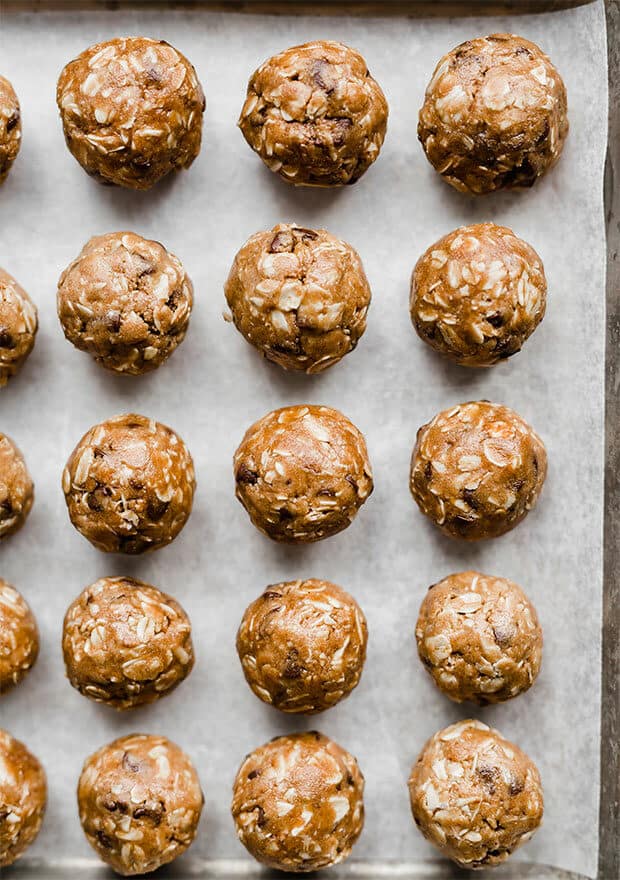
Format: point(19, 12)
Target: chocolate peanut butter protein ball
point(302, 473)
point(475, 795)
point(479, 637)
point(126, 643)
point(477, 470)
point(10, 127)
point(315, 115)
point(126, 301)
point(129, 485)
point(16, 488)
point(300, 296)
point(302, 645)
point(23, 797)
point(19, 637)
point(139, 800)
point(18, 326)
point(298, 803)
point(131, 111)
point(477, 294)
point(494, 114)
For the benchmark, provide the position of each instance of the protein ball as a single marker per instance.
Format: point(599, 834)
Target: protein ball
point(300, 296)
point(298, 803)
point(19, 637)
point(475, 795)
point(10, 127)
point(131, 110)
point(302, 473)
point(139, 800)
point(18, 326)
point(477, 294)
point(126, 301)
point(479, 637)
point(315, 115)
point(494, 114)
point(129, 485)
point(23, 797)
point(16, 488)
point(302, 645)
point(126, 643)
point(477, 470)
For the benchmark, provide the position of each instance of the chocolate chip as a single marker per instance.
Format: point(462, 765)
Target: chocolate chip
point(271, 594)
point(342, 128)
point(116, 806)
point(488, 774)
point(515, 786)
point(469, 495)
point(6, 506)
point(496, 320)
point(156, 508)
point(104, 839)
point(155, 814)
point(246, 475)
point(292, 668)
point(282, 241)
point(323, 76)
point(261, 821)
point(284, 514)
point(253, 774)
point(12, 120)
point(130, 763)
point(428, 470)
point(6, 340)
point(306, 234)
point(113, 321)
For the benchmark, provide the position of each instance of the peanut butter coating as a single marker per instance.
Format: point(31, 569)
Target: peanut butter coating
point(126, 301)
point(131, 111)
point(23, 798)
point(129, 485)
point(494, 114)
point(315, 115)
point(298, 803)
point(16, 488)
point(478, 294)
point(479, 637)
point(302, 473)
point(10, 127)
point(139, 800)
point(300, 296)
point(477, 470)
point(302, 645)
point(19, 637)
point(18, 326)
point(125, 643)
point(475, 795)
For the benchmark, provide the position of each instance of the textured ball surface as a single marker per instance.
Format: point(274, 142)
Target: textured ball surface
point(131, 111)
point(302, 473)
point(479, 637)
point(23, 798)
point(10, 127)
point(315, 115)
point(129, 485)
point(475, 795)
point(300, 296)
point(494, 114)
point(126, 301)
point(18, 326)
point(477, 470)
point(298, 803)
point(19, 637)
point(16, 488)
point(302, 645)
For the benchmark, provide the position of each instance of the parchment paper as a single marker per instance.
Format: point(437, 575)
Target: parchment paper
point(216, 385)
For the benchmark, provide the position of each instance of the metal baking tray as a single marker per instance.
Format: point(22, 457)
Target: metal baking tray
point(609, 821)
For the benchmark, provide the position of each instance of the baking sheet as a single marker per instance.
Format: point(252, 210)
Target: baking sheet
point(215, 385)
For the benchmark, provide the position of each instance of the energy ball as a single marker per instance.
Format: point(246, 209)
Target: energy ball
point(126, 643)
point(139, 800)
point(302, 473)
point(302, 645)
point(315, 115)
point(131, 110)
point(477, 470)
point(19, 637)
point(479, 637)
point(298, 803)
point(477, 294)
point(126, 301)
point(475, 795)
point(23, 797)
point(129, 485)
point(300, 296)
point(10, 127)
point(18, 326)
point(494, 115)
point(16, 488)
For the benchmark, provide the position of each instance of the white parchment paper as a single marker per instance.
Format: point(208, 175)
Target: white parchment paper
point(216, 385)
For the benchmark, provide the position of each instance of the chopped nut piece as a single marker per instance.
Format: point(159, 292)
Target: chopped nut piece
point(23, 797)
point(16, 488)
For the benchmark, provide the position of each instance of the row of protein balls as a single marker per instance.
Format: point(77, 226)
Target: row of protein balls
point(297, 801)
point(299, 296)
point(494, 114)
point(301, 473)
